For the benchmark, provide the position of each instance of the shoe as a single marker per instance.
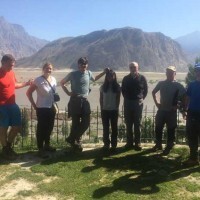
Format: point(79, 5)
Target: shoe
point(128, 146)
point(77, 147)
point(190, 162)
point(8, 153)
point(137, 147)
point(167, 150)
point(157, 147)
point(49, 149)
point(113, 150)
point(70, 141)
point(106, 147)
point(42, 154)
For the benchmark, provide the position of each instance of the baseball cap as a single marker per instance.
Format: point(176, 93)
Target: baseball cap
point(172, 68)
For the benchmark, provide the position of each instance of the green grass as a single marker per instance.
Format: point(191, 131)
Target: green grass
point(93, 174)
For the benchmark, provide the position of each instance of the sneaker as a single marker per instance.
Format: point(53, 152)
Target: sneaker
point(157, 147)
point(137, 147)
point(190, 162)
point(49, 149)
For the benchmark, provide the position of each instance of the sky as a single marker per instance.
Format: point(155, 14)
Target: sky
point(54, 19)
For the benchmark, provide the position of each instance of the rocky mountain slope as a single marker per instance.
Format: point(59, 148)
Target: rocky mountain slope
point(114, 48)
point(15, 40)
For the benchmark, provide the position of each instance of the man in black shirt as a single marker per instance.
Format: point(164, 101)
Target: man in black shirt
point(134, 91)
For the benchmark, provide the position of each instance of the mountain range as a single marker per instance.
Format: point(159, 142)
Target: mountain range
point(15, 40)
point(114, 48)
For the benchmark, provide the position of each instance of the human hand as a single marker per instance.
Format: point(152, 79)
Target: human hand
point(29, 82)
point(106, 70)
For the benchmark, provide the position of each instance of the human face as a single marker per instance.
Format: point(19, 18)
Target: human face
point(110, 77)
point(82, 67)
point(170, 75)
point(133, 69)
point(8, 65)
point(47, 70)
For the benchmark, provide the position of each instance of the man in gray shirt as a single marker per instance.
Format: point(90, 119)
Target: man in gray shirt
point(170, 92)
point(79, 106)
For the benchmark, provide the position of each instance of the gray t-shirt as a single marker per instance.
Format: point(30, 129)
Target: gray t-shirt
point(80, 82)
point(170, 92)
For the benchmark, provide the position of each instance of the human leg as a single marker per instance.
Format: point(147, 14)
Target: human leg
point(74, 128)
point(137, 125)
point(50, 124)
point(159, 125)
point(105, 122)
point(41, 127)
point(171, 123)
point(114, 127)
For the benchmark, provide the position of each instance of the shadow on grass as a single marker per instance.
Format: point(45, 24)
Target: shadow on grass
point(132, 172)
point(143, 173)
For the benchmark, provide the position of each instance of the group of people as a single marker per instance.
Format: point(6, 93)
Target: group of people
point(134, 90)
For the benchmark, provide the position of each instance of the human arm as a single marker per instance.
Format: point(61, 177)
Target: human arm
point(155, 90)
point(145, 91)
point(118, 97)
point(101, 99)
point(101, 74)
point(64, 87)
point(29, 94)
point(23, 84)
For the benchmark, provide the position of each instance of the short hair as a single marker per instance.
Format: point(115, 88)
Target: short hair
point(7, 57)
point(134, 64)
point(83, 61)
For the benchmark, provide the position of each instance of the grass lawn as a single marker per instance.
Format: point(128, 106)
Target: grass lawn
point(94, 174)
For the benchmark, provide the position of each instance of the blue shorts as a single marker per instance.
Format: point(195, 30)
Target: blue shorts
point(10, 115)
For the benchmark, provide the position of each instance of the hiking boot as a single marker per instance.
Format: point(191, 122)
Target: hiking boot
point(157, 147)
point(49, 149)
point(190, 162)
point(137, 147)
